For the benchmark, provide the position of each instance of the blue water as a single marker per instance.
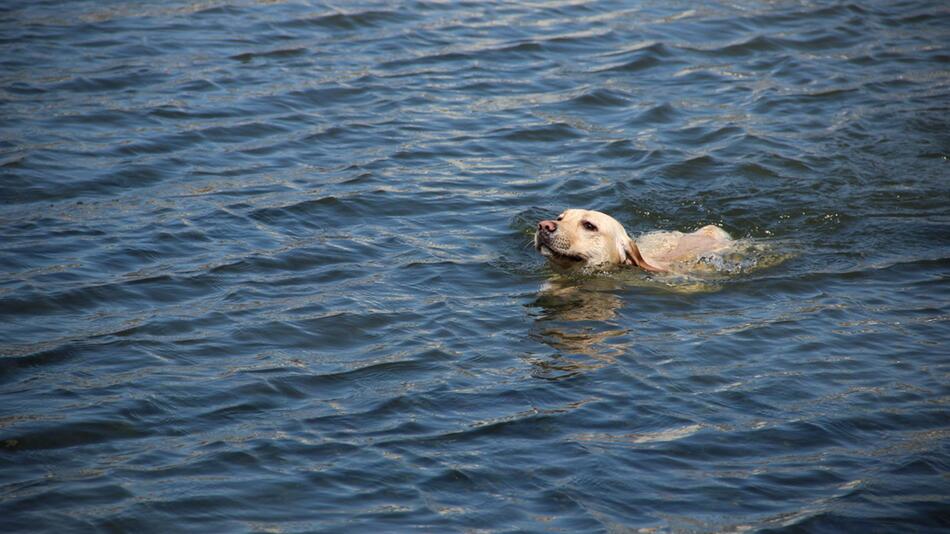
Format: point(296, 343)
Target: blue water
point(265, 267)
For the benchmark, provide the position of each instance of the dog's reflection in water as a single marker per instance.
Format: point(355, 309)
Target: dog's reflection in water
point(576, 319)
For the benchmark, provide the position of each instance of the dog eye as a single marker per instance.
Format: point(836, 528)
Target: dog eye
point(589, 226)
point(560, 217)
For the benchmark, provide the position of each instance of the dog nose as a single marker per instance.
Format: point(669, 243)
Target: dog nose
point(547, 226)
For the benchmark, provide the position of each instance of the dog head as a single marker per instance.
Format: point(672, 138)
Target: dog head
point(587, 239)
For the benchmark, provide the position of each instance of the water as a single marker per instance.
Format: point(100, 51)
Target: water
point(266, 266)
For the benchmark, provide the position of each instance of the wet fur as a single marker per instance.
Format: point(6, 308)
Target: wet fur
point(587, 239)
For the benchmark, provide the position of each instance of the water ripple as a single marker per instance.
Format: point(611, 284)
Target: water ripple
point(267, 266)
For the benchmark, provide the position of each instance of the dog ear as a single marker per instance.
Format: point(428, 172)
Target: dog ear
point(632, 256)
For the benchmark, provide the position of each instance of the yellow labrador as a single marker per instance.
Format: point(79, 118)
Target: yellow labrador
point(594, 240)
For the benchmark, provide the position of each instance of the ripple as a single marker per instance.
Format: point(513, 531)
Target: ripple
point(550, 132)
point(599, 98)
point(279, 253)
point(278, 54)
point(354, 20)
point(644, 58)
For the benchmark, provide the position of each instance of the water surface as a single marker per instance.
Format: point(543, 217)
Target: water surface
point(266, 266)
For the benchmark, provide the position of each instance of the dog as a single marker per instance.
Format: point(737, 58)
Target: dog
point(590, 240)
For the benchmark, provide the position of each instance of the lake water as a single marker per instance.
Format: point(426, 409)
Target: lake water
point(266, 267)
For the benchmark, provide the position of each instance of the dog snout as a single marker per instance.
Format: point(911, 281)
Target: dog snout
point(547, 226)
